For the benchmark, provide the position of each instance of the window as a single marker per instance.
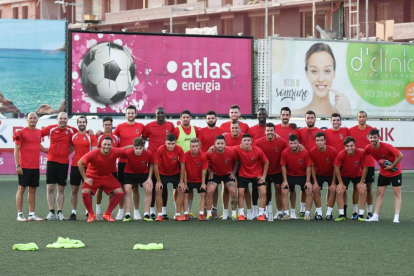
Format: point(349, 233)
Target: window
point(227, 26)
point(25, 12)
point(205, 1)
point(203, 24)
point(258, 26)
point(320, 19)
point(135, 5)
point(16, 13)
point(175, 2)
point(228, 2)
point(383, 11)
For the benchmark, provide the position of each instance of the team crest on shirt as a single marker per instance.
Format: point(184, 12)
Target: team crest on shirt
point(84, 138)
point(383, 157)
point(253, 159)
point(356, 163)
point(276, 149)
point(167, 132)
point(226, 161)
point(300, 161)
point(66, 132)
point(328, 160)
point(136, 131)
point(341, 136)
point(175, 158)
point(198, 164)
point(143, 163)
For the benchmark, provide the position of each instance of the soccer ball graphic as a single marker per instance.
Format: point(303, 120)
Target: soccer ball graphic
point(108, 73)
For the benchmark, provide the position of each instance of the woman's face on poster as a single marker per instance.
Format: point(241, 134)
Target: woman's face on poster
point(321, 73)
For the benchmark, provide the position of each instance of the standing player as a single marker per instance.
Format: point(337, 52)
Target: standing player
point(99, 163)
point(234, 137)
point(127, 132)
point(107, 127)
point(207, 136)
point(323, 158)
point(307, 139)
point(335, 138)
point(156, 132)
point(196, 164)
point(138, 171)
point(350, 166)
point(82, 143)
point(251, 171)
point(234, 114)
point(223, 166)
point(389, 173)
point(60, 136)
point(360, 134)
point(26, 155)
point(169, 167)
point(273, 147)
point(184, 133)
point(296, 170)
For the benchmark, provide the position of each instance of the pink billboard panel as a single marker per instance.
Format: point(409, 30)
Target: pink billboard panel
point(110, 71)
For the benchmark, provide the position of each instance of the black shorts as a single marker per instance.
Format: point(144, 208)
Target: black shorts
point(296, 180)
point(174, 179)
point(396, 181)
point(322, 179)
point(192, 185)
point(370, 178)
point(135, 179)
point(243, 182)
point(219, 178)
point(276, 178)
point(347, 180)
point(121, 168)
point(56, 173)
point(76, 178)
point(30, 178)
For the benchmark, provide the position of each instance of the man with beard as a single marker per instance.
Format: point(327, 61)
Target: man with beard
point(234, 114)
point(360, 134)
point(207, 136)
point(156, 131)
point(82, 143)
point(273, 147)
point(127, 132)
point(60, 148)
point(307, 139)
point(390, 172)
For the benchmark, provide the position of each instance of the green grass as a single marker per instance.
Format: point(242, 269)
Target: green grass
point(216, 247)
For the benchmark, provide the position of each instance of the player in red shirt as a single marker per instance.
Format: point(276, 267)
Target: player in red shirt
point(234, 137)
point(273, 147)
point(307, 139)
point(138, 171)
point(335, 138)
point(196, 165)
point(234, 114)
point(26, 155)
point(82, 143)
point(169, 167)
point(156, 132)
point(127, 132)
point(251, 171)
point(389, 174)
point(99, 163)
point(350, 166)
point(60, 148)
point(207, 136)
point(107, 127)
point(360, 134)
point(323, 158)
point(296, 170)
point(223, 166)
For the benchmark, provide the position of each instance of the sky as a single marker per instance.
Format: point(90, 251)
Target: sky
point(32, 34)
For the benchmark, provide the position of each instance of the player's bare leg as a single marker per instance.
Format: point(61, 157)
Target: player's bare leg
point(98, 204)
point(158, 200)
point(74, 197)
point(147, 200)
point(362, 201)
point(302, 204)
point(285, 203)
point(248, 199)
point(241, 198)
point(60, 195)
point(232, 189)
point(190, 204)
point(50, 194)
point(180, 201)
point(292, 198)
point(355, 200)
point(255, 199)
point(370, 199)
point(397, 203)
point(19, 198)
point(31, 199)
point(215, 202)
point(118, 194)
point(331, 202)
point(309, 200)
point(278, 198)
point(225, 201)
point(202, 206)
point(211, 191)
point(127, 201)
point(262, 201)
point(135, 198)
point(318, 202)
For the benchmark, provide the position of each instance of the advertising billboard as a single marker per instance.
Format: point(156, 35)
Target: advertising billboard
point(110, 71)
point(343, 77)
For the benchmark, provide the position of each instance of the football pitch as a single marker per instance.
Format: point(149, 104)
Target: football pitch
point(217, 247)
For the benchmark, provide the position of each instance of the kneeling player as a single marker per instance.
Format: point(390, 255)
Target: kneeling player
point(323, 158)
point(138, 171)
point(390, 173)
point(296, 170)
point(348, 167)
point(196, 165)
point(99, 163)
point(251, 171)
point(223, 167)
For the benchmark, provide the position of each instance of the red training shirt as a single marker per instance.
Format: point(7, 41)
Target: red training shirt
point(285, 132)
point(385, 151)
point(138, 164)
point(362, 140)
point(157, 134)
point(250, 161)
point(307, 137)
point(296, 163)
point(257, 131)
point(207, 137)
point(194, 165)
point(222, 163)
point(169, 161)
point(115, 144)
point(323, 161)
point(60, 142)
point(231, 141)
point(351, 165)
point(29, 141)
point(83, 144)
point(99, 165)
point(273, 150)
point(335, 138)
point(127, 133)
point(226, 127)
